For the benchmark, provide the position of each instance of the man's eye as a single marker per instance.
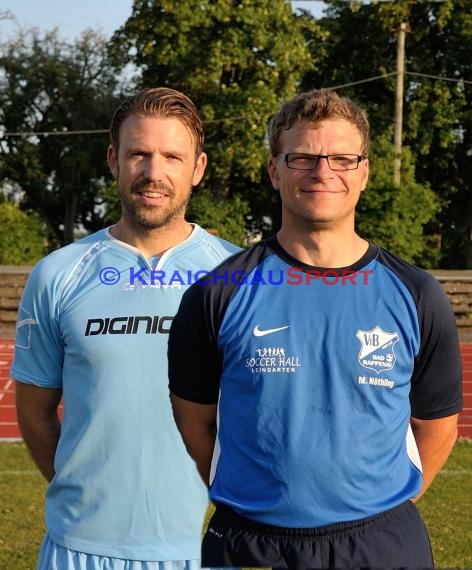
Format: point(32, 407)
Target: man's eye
point(342, 158)
point(301, 159)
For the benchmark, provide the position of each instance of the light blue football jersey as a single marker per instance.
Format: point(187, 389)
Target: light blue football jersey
point(94, 321)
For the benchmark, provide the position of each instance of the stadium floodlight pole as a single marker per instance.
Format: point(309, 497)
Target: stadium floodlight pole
point(397, 137)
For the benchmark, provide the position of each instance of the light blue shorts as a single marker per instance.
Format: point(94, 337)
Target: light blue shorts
point(55, 557)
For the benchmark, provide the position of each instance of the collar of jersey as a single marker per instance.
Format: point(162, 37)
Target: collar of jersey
point(371, 253)
point(196, 234)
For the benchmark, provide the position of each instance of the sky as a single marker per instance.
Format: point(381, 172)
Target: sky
point(73, 17)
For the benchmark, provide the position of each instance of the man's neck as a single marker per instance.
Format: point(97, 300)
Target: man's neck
point(323, 248)
point(152, 243)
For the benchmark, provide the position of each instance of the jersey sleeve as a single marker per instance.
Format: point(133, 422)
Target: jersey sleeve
point(195, 364)
point(436, 385)
point(39, 351)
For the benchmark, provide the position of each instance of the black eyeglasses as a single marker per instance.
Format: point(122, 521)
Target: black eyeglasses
point(301, 161)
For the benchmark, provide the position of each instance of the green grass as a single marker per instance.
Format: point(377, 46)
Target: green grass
point(21, 508)
point(446, 508)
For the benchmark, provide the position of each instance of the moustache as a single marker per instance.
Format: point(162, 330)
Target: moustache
point(147, 184)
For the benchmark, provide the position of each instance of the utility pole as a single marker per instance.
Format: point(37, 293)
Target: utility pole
point(397, 138)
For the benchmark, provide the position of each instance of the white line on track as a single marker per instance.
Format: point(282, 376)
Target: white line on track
point(6, 388)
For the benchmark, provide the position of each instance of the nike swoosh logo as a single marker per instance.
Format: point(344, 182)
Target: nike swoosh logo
point(257, 332)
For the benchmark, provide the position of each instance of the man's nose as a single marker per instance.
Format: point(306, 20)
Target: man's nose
point(154, 167)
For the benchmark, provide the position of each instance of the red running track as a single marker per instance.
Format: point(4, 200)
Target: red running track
point(465, 417)
point(9, 428)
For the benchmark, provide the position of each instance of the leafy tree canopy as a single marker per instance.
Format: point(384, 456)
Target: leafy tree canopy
point(227, 217)
point(49, 85)
point(237, 60)
point(395, 217)
point(22, 239)
point(361, 42)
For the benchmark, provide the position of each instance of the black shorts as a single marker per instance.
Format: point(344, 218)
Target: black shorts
point(394, 539)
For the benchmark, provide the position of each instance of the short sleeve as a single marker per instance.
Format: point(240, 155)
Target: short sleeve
point(39, 350)
point(436, 385)
point(194, 361)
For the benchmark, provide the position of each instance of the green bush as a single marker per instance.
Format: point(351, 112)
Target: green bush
point(228, 217)
point(400, 219)
point(22, 240)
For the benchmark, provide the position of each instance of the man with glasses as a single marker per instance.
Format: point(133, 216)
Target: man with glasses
point(316, 413)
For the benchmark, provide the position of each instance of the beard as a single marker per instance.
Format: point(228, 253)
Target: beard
point(145, 217)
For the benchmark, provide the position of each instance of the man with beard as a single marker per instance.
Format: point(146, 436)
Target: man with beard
point(92, 328)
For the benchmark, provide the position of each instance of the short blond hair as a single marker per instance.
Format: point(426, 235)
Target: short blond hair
point(315, 106)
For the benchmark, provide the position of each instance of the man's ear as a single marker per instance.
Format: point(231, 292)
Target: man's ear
point(365, 177)
point(112, 159)
point(272, 170)
point(199, 169)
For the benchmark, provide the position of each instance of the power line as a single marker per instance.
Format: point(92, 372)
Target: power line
point(54, 133)
point(438, 77)
point(212, 121)
point(92, 131)
point(363, 80)
point(406, 73)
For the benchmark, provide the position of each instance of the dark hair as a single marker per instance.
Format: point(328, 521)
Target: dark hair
point(159, 102)
point(315, 106)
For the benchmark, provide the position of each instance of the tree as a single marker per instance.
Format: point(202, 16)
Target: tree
point(48, 85)
point(443, 148)
point(385, 213)
point(22, 240)
point(227, 217)
point(237, 60)
point(360, 42)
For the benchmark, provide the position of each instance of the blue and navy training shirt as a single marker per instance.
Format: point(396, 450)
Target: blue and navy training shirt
point(316, 373)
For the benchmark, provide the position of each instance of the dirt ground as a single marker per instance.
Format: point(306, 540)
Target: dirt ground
point(465, 335)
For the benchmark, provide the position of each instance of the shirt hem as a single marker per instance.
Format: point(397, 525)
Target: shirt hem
point(163, 554)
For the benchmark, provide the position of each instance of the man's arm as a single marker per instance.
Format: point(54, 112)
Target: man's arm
point(36, 409)
point(197, 425)
point(435, 440)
